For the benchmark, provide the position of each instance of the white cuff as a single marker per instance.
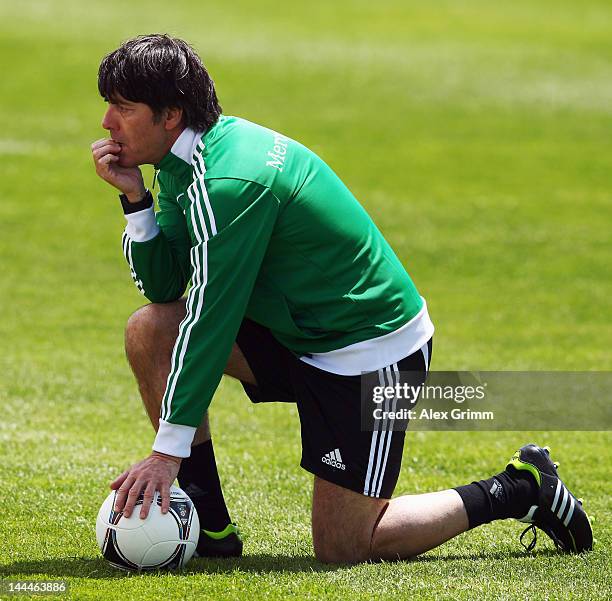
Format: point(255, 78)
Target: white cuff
point(174, 439)
point(142, 225)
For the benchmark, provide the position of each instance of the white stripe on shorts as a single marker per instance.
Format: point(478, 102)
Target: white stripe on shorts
point(383, 431)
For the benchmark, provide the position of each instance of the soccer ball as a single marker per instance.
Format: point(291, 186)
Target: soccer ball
point(159, 541)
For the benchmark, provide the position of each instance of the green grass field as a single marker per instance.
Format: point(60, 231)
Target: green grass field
point(477, 134)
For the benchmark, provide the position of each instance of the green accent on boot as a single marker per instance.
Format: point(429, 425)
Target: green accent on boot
point(522, 465)
point(229, 529)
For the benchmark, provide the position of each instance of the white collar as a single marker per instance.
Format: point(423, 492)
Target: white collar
point(185, 144)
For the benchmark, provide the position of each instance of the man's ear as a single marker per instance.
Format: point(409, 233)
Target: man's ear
point(174, 116)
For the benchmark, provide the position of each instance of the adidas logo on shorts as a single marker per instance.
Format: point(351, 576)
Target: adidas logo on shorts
point(334, 459)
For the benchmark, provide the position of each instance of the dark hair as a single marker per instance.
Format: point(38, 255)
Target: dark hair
point(162, 72)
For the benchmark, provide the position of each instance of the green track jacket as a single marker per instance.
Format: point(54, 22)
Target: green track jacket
point(263, 228)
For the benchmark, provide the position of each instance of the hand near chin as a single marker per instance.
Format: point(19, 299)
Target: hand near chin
point(128, 180)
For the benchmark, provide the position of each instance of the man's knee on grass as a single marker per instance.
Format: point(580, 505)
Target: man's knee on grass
point(343, 522)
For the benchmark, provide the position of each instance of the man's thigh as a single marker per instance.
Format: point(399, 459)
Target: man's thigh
point(160, 324)
point(343, 522)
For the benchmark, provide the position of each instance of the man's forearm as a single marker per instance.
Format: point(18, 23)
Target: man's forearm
point(155, 269)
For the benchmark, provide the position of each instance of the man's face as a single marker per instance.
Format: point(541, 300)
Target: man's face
point(131, 124)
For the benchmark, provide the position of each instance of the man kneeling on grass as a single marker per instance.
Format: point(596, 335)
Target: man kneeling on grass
point(294, 292)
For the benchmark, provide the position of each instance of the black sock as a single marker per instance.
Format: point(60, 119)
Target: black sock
point(500, 497)
point(199, 478)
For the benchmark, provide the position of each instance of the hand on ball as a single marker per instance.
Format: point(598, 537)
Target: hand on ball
point(156, 472)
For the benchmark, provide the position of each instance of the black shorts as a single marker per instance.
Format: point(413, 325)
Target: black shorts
point(335, 446)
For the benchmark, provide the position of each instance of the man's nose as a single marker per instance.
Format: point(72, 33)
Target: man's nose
point(109, 121)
